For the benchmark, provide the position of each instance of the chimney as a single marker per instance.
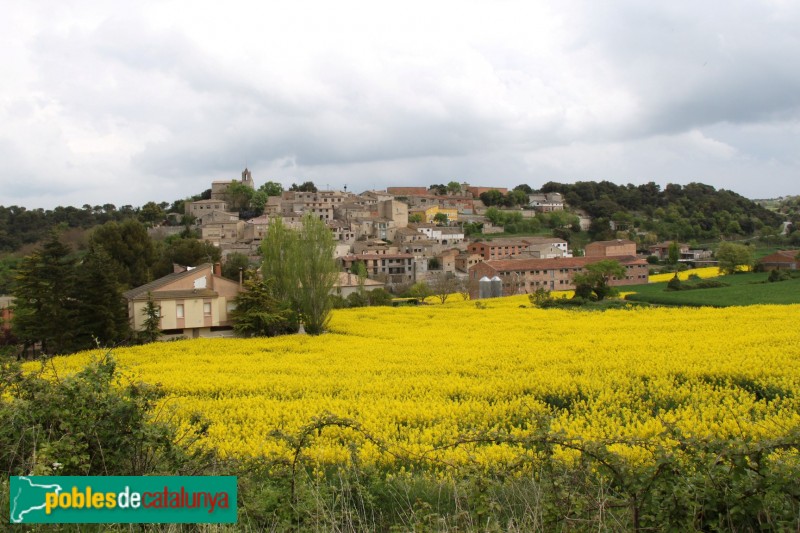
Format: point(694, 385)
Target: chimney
point(218, 269)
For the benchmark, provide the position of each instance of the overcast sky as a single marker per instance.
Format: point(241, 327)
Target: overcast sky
point(117, 102)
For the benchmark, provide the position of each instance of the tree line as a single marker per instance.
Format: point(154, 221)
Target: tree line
point(693, 211)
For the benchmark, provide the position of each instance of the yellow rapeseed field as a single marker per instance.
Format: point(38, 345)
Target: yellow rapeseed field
point(704, 272)
point(420, 379)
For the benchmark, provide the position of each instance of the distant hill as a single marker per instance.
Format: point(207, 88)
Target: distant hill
point(693, 211)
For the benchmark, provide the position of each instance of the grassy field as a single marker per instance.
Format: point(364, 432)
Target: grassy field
point(743, 289)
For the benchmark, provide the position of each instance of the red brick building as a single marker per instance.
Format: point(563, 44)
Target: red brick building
point(498, 248)
point(783, 259)
point(524, 276)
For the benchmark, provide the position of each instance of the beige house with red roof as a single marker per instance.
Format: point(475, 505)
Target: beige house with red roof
point(524, 276)
point(193, 302)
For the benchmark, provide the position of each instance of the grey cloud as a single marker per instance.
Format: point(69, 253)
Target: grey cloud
point(729, 62)
point(495, 112)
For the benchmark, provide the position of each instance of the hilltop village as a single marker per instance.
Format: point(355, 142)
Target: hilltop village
point(405, 235)
point(479, 241)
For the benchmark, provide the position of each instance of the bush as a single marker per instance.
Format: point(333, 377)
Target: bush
point(708, 284)
point(565, 303)
point(778, 275)
point(379, 297)
point(675, 284)
point(539, 297)
point(85, 424)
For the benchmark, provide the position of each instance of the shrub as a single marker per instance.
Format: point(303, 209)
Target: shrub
point(539, 297)
point(675, 284)
point(709, 284)
point(778, 275)
point(379, 297)
point(85, 424)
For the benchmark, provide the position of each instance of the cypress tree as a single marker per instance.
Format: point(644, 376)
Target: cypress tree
point(102, 313)
point(45, 308)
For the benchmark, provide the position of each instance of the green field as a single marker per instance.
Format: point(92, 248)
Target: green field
point(743, 289)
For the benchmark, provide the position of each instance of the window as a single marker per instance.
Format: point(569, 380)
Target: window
point(179, 310)
point(207, 308)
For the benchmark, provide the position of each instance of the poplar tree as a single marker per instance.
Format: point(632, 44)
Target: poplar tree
point(276, 249)
point(315, 267)
point(302, 267)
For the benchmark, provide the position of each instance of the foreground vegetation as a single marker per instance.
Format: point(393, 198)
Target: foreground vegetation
point(523, 419)
point(743, 288)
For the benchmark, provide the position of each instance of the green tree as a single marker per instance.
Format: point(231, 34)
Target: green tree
point(516, 197)
point(234, 264)
point(8, 271)
point(420, 290)
point(492, 197)
point(272, 188)
point(151, 330)
point(306, 186)
point(596, 277)
point(440, 218)
point(673, 253)
point(276, 249)
point(494, 215)
point(303, 268)
point(184, 251)
point(453, 187)
point(415, 218)
point(102, 315)
point(315, 269)
point(238, 195)
point(360, 270)
point(258, 201)
point(45, 307)
point(130, 248)
point(732, 256)
point(259, 313)
point(151, 214)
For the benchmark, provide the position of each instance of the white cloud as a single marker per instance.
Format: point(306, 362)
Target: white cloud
point(102, 104)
